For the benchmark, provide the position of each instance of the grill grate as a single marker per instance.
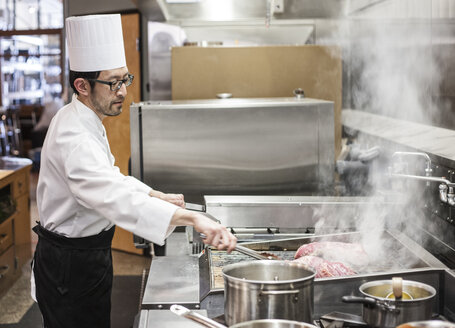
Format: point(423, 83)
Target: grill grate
point(219, 259)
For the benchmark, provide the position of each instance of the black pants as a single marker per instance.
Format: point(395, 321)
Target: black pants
point(73, 278)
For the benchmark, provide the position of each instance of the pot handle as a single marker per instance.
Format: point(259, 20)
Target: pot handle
point(368, 301)
point(397, 287)
point(279, 292)
point(199, 318)
point(357, 299)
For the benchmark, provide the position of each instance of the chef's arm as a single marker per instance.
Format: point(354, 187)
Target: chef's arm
point(216, 234)
point(176, 199)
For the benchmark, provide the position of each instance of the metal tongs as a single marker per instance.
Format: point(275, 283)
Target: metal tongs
point(238, 248)
point(246, 251)
point(252, 253)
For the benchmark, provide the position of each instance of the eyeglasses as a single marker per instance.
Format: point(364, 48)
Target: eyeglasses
point(117, 84)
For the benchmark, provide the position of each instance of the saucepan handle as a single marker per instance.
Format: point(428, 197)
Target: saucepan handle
point(199, 318)
point(397, 287)
point(357, 299)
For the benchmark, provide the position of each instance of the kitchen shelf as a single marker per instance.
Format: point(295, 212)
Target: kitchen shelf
point(22, 66)
point(26, 94)
point(49, 54)
point(31, 66)
point(31, 71)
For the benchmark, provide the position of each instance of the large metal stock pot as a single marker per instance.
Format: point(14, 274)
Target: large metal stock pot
point(268, 289)
point(381, 309)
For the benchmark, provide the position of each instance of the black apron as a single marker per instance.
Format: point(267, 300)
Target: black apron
point(73, 278)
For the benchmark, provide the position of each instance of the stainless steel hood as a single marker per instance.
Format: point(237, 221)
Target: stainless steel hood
point(228, 10)
point(241, 10)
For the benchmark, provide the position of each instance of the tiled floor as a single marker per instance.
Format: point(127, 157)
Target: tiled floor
point(17, 301)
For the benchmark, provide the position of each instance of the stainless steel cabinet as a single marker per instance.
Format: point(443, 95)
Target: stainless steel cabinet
point(234, 146)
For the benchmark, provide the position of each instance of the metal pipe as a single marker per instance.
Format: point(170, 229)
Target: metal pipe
point(424, 178)
point(402, 153)
point(443, 192)
point(451, 197)
point(428, 170)
point(446, 188)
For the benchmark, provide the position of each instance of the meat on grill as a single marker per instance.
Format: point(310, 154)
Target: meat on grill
point(350, 254)
point(325, 268)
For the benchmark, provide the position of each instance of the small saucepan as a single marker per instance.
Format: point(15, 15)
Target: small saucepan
point(263, 323)
point(385, 305)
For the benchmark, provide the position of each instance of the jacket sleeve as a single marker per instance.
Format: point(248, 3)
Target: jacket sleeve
point(135, 182)
point(98, 185)
point(139, 185)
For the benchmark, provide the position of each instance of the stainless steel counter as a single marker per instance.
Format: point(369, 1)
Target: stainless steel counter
point(327, 291)
point(172, 280)
point(188, 279)
point(182, 280)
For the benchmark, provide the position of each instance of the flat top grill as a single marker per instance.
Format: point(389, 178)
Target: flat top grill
point(285, 249)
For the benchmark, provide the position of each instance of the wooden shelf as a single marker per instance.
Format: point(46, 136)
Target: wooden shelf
point(15, 230)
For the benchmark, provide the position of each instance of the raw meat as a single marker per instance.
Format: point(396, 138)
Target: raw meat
point(325, 268)
point(350, 254)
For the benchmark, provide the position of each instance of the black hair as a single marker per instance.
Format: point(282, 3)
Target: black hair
point(84, 75)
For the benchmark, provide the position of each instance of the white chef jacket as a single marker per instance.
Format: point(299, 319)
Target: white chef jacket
point(81, 193)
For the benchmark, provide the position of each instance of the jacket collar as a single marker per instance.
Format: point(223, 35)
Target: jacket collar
point(88, 116)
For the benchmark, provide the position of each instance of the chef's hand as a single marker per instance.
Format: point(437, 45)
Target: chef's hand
point(176, 199)
point(216, 234)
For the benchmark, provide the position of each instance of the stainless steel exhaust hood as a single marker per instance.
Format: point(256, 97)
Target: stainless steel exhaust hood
point(243, 22)
point(241, 10)
point(229, 10)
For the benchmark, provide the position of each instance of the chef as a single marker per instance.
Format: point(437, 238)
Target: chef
point(82, 196)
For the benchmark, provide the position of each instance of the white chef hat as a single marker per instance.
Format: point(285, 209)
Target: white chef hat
point(95, 43)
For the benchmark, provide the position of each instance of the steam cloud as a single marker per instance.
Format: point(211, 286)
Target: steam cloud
point(392, 70)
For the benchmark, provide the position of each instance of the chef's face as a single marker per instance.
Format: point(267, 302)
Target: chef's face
point(105, 101)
